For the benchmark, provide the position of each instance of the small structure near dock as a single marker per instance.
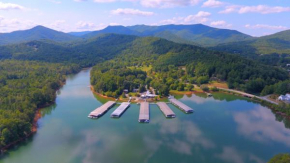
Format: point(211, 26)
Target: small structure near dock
point(144, 112)
point(120, 110)
point(102, 109)
point(181, 105)
point(166, 110)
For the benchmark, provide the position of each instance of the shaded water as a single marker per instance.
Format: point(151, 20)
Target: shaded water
point(224, 128)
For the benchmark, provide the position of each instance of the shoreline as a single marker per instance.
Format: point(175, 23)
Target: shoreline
point(271, 105)
point(34, 129)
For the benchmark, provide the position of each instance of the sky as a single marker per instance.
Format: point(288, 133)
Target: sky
point(253, 17)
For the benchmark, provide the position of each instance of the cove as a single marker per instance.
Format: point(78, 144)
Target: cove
point(223, 128)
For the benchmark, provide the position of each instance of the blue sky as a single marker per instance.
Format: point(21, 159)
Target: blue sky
point(253, 17)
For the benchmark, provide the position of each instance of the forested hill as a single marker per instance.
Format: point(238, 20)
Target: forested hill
point(166, 59)
point(196, 34)
point(128, 50)
point(36, 33)
point(24, 87)
point(277, 44)
point(84, 53)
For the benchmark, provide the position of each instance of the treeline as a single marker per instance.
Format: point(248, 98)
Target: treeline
point(111, 81)
point(85, 53)
point(280, 88)
point(25, 86)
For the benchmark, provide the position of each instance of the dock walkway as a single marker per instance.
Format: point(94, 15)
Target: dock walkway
point(166, 110)
point(102, 109)
point(120, 110)
point(144, 112)
point(181, 105)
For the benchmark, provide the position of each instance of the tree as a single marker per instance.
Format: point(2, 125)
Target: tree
point(189, 87)
point(280, 158)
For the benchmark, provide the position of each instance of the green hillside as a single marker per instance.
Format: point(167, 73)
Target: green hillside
point(278, 43)
point(163, 55)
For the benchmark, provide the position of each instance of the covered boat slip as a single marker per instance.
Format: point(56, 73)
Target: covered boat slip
point(181, 105)
point(120, 110)
point(166, 110)
point(102, 109)
point(144, 112)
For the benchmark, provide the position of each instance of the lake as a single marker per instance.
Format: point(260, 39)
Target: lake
point(223, 128)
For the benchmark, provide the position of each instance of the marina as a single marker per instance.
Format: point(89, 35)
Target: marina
point(120, 110)
point(102, 109)
point(144, 112)
point(181, 105)
point(166, 110)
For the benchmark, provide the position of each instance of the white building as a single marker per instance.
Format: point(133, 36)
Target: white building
point(284, 98)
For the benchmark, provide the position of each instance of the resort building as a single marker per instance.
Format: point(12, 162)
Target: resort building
point(284, 97)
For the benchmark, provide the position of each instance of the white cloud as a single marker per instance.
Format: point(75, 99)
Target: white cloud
point(102, 1)
point(168, 3)
point(55, 1)
point(85, 25)
point(157, 3)
point(262, 9)
point(200, 17)
point(80, 0)
point(230, 9)
point(89, 26)
point(129, 11)
point(10, 6)
point(213, 3)
point(9, 25)
point(265, 26)
point(221, 23)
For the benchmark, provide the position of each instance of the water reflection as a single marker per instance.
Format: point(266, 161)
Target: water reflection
point(260, 125)
point(232, 155)
point(48, 110)
point(184, 135)
point(200, 98)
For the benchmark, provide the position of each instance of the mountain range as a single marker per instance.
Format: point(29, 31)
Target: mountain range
point(201, 35)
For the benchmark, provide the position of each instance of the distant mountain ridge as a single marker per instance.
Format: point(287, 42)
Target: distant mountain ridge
point(196, 34)
point(36, 33)
point(278, 43)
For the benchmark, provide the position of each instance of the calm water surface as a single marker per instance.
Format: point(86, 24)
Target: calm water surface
point(224, 128)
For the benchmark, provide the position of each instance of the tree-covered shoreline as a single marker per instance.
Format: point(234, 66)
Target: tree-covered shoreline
point(26, 86)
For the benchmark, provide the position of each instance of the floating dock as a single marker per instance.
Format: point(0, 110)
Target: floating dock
point(144, 112)
point(166, 110)
point(120, 110)
point(102, 109)
point(181, 105)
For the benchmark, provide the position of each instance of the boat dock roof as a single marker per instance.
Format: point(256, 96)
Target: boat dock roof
point(181, 105)
point(121, 109)
point(144, 112)
point(102, 109)
point(165, 109)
